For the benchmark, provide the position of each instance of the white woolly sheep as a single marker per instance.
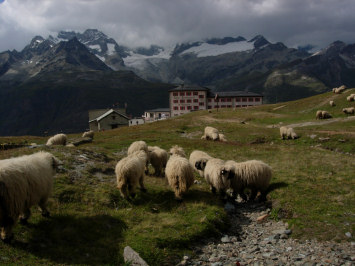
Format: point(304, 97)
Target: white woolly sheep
point(210, 133)
point(59, 139)
point(283, 132)
point(326, 115)
point(88, 134)
point(319, 114)
point(222, 137)
point(331, 103)
point(218, 175)
point(254, 175)
point(198, 160)
point(158, 158)
point(180, 175)
point(139, 145)
point(291, 134)
point(177, 150)
point(129, 172)
point(24, 181)
point(340, 89)
point(349, 110)
point(350, 98)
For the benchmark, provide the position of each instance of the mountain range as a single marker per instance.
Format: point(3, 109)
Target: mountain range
point(52, 83)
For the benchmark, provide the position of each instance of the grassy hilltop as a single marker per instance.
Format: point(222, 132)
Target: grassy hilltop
point(312, 187)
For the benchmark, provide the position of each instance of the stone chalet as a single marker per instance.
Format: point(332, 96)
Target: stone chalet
point(105, 119)
point(156, 114)
point(186, 98)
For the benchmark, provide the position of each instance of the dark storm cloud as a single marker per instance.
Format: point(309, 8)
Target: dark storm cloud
point(166, 22)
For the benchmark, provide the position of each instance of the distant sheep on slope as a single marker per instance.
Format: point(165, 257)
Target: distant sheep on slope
point(24, 181)
point(350, 98)
point(59, 139)
point(288, 133)
point(349, 110)
point(178, 151)
point(198, 160)
point(331, 103)
point(222, 137)
point(339, 90)
point(211, 133)
point(129, 172)
point(319, 114)
point(218, 175)
point(158, 158)
point(326, 115)
point(88, 134)
point(179, 174)
point(253, 174)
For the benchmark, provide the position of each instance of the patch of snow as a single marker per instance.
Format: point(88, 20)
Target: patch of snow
point(206, 49)
point(101, 58)
point(139, 61)
point(110, 48)
point(95, 47)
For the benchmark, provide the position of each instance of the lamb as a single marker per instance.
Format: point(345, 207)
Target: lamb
point(218, 175)
point(326, 115)
point(253, 174)
point(180, 175)
point(129, 171)
point(177, 150)
point(158, 158)
point(349, 110)
point(88, 134)
point(24, 181)
point(198, 160)
point(331, 103)
point(58, 139)
point(211, 133)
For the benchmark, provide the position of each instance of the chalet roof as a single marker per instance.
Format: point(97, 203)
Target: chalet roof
point(184, 87)
point(234, 94)
point(159, 110)
point(108, 113)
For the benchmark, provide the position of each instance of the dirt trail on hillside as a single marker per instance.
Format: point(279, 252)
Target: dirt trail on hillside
point(318, 123)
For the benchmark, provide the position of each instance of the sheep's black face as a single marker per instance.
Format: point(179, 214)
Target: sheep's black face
point(198, 165)
point(231, 175)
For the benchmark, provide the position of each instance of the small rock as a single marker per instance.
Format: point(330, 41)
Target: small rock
point(229, 207)
point(313, 136)
point(186, 257)
point(289, 249)
point(262, 218)
point(288, 231)
point(225, 239)
point(130, 255)
point(348, 234)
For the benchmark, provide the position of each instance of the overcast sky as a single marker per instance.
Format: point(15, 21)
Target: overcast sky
point(167, 22)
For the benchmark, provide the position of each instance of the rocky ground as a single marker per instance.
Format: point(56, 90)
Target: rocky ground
point(253, 239)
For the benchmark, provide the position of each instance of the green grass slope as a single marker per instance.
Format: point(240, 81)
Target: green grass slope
point(312, 186)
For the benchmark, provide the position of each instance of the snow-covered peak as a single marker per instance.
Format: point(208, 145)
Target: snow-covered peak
point(36, 41)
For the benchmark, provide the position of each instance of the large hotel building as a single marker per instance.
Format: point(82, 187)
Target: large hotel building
point(185, 98)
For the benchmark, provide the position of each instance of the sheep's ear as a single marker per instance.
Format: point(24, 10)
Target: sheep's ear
point(231, 175)
point(198, 165)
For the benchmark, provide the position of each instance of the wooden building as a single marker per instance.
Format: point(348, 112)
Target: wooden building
point(105, 119)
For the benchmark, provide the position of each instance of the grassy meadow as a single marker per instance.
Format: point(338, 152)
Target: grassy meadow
point(312, 188)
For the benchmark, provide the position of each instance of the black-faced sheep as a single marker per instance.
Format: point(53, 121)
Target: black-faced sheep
point(58, 139)
point(218, 175)
point(198, 160)
point(88, 134)
point(319, 114)
point(288, 133)
point(350, 98)
point(349, 110)
point(139, 145)
point(331, 103)
point(253, 174)
point(24, 181)
point(129, 172)
point(211, 133)
point(180, 175)
point(283, 132)
point(177, 150)
point(326, 115)
point(158, 158)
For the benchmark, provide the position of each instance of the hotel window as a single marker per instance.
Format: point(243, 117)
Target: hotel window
point(175, 94)
point(176, 108)
point(188, 100)
point(189, 107)
point(195, 100)
point(201, 96)
point(209, 100)
point(228, 100)
point(182, 93)
point(257, 99)
point(182, 107)
point(188, 93)
point(244, 99)
point(195, 93)
point(201, 104)
point(250, 99)
point(223, 100)
point(195, 107)
point(176, 101)
point(182, 101)
point(237, 99)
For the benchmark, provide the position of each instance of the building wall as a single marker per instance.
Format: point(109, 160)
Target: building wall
point(234, 102)
point(136, 121)
point(182, 102)
point(94, 126)
point(153, 116)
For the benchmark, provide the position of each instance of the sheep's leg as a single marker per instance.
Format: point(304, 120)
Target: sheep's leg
point(6, 229)
point(43, 205)
point(242, 194)
point(262, 196)
point(178, 195)
point(123, 191)
point(24, 216)
point(253, 194)
point(141, 183)
point(213, 189)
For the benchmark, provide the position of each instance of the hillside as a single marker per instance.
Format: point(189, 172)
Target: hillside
point(312, 186)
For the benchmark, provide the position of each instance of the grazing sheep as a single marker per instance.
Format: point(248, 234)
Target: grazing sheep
point(350, 98)
point(180, 175)
point(319, 114)
point(340, 89)
point(198, 160)
point(129, 171)
point(291, 134)
point(177, 150)
point(158, 158)
point(254, 175)
point(326, 115)
point(138, 146)
point(349, 110)
point(88, 134)
point(283, 132)
point(59, 139)
point(218, 175)
point(24, 181)
point(211, 133)
point(331, 103)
